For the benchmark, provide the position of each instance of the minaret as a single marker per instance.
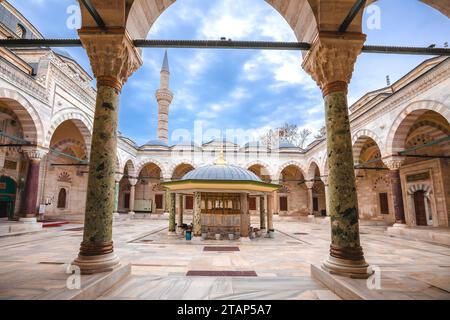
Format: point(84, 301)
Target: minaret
point(164, 97)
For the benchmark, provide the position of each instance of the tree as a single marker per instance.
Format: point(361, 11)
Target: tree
point(322, 133)
point(289, 133)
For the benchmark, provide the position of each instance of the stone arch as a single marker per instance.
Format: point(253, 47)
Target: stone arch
point(63, 144)
point(83, 124)
point(146, 162)
point(313, 164)
point(130, 166)
point(427, 189)
point(32, 127)
point(287, 164)
point(399, 130)
point(143, 14)
point(360, 139)
point(175, 165)
point(260, 163)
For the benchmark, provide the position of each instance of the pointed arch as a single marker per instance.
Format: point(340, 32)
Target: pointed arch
point(82, 122)
point(395, 141)
point(360, 138)
point(313, 165)
point(174, 166)
point(33, 129)
point(146, 162)
point(288, 164)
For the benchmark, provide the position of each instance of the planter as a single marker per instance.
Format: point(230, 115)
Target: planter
point(271, 234)
point(252, 235)
point(231, 236)
point(188, 235)
point(204, 236)
point(218, 236)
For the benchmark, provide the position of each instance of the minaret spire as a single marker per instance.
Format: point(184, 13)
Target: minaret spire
point(164, 97)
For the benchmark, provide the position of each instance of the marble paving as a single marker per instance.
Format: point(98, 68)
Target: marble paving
point(33, 266)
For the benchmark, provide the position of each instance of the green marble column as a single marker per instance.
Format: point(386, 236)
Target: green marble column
point(172, 213)
point(100, 197)
point(345, 249)
point(180, 212)
point(197, 217)
point(262, 213)
point(116, 196)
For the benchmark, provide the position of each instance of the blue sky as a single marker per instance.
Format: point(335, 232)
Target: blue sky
point(244, 89)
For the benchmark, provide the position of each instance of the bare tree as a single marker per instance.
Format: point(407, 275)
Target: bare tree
point(302, 137)
point(321, 134)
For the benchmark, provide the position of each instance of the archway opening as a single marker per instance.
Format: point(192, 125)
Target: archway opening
point(66, 170)
point(293, 196)
point(150, 196)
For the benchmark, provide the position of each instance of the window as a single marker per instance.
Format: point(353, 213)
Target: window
point(384, 205)
point(283, 204)
point(62, 197)
point(252, 203)
point(159, 201)
point(189, 203)
point(20, 31)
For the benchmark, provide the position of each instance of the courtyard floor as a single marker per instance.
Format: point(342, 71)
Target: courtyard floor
point(33, 266)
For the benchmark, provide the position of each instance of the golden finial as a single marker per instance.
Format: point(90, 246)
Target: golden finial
point(221, 160)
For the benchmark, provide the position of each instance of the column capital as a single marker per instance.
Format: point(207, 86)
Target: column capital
point(118, 177)
point(331, 59)
point(133, 181)
point(309, 184)
point(35, 153)
point(394, 162)
point(112, 54)
point(324, 180)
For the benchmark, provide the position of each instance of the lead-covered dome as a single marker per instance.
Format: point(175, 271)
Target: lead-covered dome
point(221, 172)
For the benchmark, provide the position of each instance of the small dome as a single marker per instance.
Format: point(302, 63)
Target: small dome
point(156, 142)
point(288, 145)
point(221, 172)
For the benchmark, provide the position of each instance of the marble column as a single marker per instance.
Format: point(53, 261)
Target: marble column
point(117, 178)
point(270, 211)
point(394, 165)
point(197, 217)
point(180, 212)
point(276, 207)
point(262, 213)
point(330, 62)
point(325, 183)
point(133, 182)
point(172, 213)
point(113, 58)
point(310, 185)
point(245, 216)
point(35, 156)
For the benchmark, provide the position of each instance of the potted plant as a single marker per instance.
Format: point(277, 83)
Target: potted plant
point(218, 235)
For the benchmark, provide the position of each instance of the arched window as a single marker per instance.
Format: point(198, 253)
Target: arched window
point(21, 31)
point(62, 196)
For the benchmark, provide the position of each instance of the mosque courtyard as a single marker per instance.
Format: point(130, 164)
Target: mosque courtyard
point(163, 267)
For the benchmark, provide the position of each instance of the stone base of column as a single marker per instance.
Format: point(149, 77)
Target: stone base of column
point(172, 233)
point(131, 213)
point(28, 219)
point(348, 268)
point(116, 214)
point(96, 264)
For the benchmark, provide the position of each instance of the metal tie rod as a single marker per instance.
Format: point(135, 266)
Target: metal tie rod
point(223, 44)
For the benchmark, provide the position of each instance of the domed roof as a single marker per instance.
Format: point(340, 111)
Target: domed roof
point(221, 172)
point(156, 142)
point(287, 145)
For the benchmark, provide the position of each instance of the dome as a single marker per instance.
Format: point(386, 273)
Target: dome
point(221, 172)
point(157, 143)
point(287, 145)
